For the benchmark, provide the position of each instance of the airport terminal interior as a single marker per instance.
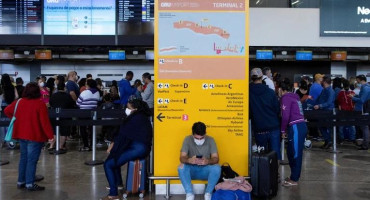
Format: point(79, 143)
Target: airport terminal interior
point(179, 63)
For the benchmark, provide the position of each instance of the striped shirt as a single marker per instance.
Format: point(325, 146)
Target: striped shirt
point(88, 99)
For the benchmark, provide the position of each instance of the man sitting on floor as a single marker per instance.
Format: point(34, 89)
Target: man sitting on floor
point(199, 161)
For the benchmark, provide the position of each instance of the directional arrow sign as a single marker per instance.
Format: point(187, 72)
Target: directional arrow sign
point(160, 117)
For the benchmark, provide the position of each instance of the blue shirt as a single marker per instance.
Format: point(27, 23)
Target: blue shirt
point(125, 91)
point(326, 99)
point(315, 92)
point(72, 86)
point(362, 97)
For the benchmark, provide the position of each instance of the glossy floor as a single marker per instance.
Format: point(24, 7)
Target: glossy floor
point(324, 176)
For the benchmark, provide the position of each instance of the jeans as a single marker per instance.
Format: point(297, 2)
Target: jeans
point(30, 153)
point(195, 172)
point(326, 133)
point(352, 132)
point(296, 137)
point(365, 135)
point(112, 167)
point(270, 141)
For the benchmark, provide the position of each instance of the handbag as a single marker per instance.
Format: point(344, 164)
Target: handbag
point(9, 132)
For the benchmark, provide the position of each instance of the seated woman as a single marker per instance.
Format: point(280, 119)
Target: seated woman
point(133, 141)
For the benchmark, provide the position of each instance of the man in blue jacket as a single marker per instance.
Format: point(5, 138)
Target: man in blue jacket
point(326, 102)
point(362, 98)
point(265, 110)
point(125, 89)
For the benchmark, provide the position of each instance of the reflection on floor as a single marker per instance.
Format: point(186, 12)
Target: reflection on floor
point(324, 176)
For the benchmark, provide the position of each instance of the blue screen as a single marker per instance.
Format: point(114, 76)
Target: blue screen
point(264, 55)
point(303, 55)
point(79, 17)
point(117, 55)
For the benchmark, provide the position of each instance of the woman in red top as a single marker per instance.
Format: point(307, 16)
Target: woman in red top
point(32, 128)
point(345, 103)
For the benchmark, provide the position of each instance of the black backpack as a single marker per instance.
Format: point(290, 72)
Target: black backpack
point(227, 172)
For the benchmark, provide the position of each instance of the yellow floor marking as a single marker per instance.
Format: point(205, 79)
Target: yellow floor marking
point(332, 162)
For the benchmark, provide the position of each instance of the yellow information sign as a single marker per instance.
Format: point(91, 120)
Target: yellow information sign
point(201, 74)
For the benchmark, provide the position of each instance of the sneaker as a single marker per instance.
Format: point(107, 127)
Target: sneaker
point(207, 196)
point(119, 187)
point(189, 197)
point(99, 144)
point(21, 186)
point(85, 149)
point(35, 187)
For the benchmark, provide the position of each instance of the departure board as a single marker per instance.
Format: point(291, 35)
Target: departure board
point(18, 17)
point(135, 10)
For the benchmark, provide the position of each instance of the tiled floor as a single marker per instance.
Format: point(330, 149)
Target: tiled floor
point(324, 176)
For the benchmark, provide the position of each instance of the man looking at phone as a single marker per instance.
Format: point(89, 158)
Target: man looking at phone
point(199, 161)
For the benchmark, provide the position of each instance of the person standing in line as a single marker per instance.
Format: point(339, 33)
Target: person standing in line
point(315, 90)
point(19, 87)
point(31, 128)
point(72, 87)
point(294, 128)
point(88, 100)
point(125, 89)
point(265, 112)
point(360, 100)
point(326, 102)
point(345, 103)
point(267, 77)
point(148, 93)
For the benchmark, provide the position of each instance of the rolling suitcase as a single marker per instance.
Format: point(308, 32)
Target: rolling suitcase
point(136, 178)
point(264, 174)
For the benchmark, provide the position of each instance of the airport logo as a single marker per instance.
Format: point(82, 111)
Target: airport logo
point(363, 11)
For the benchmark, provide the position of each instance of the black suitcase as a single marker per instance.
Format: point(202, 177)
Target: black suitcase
point(264, 174)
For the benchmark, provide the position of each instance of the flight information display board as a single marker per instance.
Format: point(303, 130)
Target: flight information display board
point(18, 17)
point(79, 17)
point(135, 17)
point(135, 10)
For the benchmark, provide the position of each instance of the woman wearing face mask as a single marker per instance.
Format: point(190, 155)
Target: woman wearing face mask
point(133, 141)
point(45, 95)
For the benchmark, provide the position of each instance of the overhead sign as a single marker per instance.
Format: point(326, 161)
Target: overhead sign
point(6, 54)
point(303, 55)
point(201, 69)
point(117, 55)
point(345, 18)
point(338, 55)
point(264, 55)
point(43, 55)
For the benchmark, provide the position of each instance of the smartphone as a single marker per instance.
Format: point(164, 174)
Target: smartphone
point(199, 156)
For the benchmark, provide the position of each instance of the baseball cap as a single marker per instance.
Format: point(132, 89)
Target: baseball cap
point(256, 72)
point(317, 76)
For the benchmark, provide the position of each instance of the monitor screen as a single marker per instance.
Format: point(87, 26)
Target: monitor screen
point(303, 55)
point(345, 18)
point(264, 55)
point(117, 55)
point(135, 17)
point(20, 17)
point(79, 17)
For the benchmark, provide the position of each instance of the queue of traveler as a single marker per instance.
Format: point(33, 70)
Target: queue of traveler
point(32, 127)
point(272, 120)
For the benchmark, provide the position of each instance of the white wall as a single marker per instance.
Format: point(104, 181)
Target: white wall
point(22, 69)
point(95, 68)
point(363, 69)
point(294, 27)
point(339, 68)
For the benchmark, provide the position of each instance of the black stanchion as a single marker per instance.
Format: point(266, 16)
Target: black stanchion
point(334, 150)
point(57, 150)
point(94, 161)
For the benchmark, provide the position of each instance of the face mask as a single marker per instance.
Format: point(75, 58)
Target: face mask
point(128, 111)
point(359, 85)
point(199, 142)
point(42, 84)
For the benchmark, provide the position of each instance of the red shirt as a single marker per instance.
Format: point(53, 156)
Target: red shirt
point(32, 120)
point(344, 101)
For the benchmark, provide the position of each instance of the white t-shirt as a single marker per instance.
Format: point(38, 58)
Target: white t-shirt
point(268, 82)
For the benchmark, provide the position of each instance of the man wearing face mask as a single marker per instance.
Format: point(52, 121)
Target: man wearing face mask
point(199, 161)
point(267, 78)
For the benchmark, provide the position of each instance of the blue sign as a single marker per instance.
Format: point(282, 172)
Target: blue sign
point(264, 55)
point(117, 55)
point(303, 55)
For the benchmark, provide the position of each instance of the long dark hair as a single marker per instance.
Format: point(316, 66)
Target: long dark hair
point(140, 106)
point(8, 88)
point(50, 85)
